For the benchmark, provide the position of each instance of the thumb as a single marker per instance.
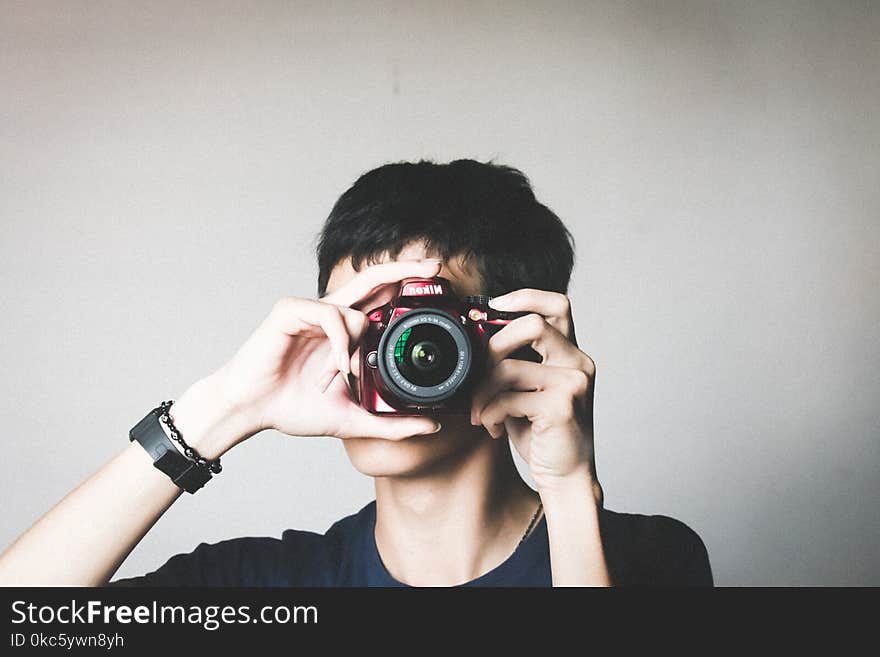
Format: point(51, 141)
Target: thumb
point(363, 424)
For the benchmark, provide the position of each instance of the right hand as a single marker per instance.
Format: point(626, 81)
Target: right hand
point(279, 377)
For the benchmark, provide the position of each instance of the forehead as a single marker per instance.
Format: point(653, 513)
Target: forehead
point(461, 274)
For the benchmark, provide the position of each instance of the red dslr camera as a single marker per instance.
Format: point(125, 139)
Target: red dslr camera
point(423, 351)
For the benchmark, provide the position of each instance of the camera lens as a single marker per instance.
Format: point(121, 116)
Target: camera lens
point(425, 355)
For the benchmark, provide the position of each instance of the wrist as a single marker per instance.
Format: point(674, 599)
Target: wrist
point(575, 487)
point(574, 529)
point(207, 421)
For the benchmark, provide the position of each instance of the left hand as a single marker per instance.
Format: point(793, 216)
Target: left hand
point(546, 408)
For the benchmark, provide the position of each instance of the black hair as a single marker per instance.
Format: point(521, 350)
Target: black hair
point(485, 212)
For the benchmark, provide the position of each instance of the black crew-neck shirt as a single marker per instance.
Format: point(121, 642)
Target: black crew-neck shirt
point(640, 550)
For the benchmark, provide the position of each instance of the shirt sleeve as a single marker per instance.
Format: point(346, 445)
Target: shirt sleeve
point(680, 556)
point(247, 561)
point(654, 550)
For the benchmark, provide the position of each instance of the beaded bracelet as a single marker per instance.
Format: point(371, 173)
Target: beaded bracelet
point(214, 466)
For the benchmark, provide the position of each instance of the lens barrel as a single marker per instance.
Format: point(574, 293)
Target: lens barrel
point(425, 356)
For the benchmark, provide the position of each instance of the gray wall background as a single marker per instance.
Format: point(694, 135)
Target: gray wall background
point(166, 165)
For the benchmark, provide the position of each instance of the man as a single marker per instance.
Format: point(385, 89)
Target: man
point(450, 506)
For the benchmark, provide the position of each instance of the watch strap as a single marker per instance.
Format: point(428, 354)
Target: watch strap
point(185, 473)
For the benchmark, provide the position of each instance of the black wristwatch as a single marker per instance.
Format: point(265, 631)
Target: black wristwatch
point(187, 474)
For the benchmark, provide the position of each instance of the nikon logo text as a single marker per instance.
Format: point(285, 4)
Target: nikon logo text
point(422, 290)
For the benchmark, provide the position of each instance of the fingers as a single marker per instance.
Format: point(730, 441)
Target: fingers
point(506, 375)
point(375, 276)
point(298, 315)
point(554, 306)
point(327, 377)
point(512, 404)
point(313, 318)
point(544, 302)
point(534, 331)
point(359, 423)
point(523, 376)
point(334, 326)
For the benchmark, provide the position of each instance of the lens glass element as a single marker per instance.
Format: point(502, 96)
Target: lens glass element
point(425, 354)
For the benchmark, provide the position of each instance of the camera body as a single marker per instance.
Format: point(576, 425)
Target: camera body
point(424, 350)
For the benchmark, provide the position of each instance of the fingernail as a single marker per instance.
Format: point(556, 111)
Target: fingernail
point(436, 428)
point(498, 303)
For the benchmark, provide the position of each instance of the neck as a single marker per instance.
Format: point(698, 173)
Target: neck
point(455, 523)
